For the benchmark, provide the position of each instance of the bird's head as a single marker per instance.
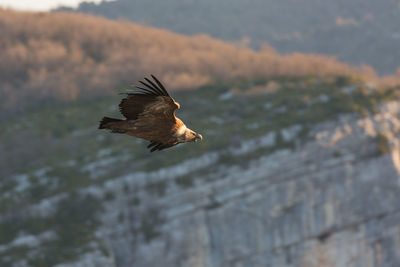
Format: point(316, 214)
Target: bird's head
point(185, 134)
point(198, 137)
point(194, 137)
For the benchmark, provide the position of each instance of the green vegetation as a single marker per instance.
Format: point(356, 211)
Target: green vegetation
point(214, 204)
point(74, 224)
point(185, 181)
point(109, 196)
point(121, 217)
point(149, 224)
point(383, 144)
point(337, 153)
point(14, 254)
point(135, 201)
point(126, 188)
point(10, 229)
point(157, 188)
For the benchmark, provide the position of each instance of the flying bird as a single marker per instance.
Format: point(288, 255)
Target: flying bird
point(150, 115)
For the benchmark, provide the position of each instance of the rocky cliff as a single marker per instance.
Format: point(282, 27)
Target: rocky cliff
point(301, 194)
point(332, 201)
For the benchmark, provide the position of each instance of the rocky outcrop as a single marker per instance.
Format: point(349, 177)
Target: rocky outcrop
point(333, 199)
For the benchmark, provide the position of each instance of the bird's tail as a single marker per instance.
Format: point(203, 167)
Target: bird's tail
point(105, 120)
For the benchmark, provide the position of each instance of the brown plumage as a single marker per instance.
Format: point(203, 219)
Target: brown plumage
point(150, 114)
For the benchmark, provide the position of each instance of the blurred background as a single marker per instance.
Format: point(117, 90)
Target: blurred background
point(298, 102)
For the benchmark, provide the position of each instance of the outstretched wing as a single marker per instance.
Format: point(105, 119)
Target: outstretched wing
point(150, 100)
point(153, 146)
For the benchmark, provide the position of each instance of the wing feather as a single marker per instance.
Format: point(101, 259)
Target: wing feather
point(155, 87)
point(156, 147)
point(161, 146)
point(155, 90)
point(145, 91)
point(150, 101)
point(160, 85)
point(152, 144)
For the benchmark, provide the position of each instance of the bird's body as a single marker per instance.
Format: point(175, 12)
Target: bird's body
point(150, 115)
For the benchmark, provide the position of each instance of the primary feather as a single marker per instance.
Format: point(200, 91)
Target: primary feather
point(150, 114)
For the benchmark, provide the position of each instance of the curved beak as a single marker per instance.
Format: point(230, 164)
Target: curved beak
point(198, 137)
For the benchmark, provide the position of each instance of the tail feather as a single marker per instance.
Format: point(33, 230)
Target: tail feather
point(106, 120)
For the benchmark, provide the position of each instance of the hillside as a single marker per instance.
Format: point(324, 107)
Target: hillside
point(288, 168)
point(356, 31)
point(59, 56)
point(299, 165)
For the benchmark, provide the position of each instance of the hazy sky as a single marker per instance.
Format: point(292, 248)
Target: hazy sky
point(40, 4)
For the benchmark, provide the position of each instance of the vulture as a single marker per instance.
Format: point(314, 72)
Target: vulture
point(149, 113)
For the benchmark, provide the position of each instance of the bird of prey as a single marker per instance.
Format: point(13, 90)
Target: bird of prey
point(150, 115)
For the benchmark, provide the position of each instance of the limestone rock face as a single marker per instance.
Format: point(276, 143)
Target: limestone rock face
point(332, 200)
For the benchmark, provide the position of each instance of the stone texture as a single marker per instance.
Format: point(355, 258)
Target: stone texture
point(331, 201)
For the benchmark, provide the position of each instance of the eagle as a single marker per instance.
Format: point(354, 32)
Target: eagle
point(149, 113)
